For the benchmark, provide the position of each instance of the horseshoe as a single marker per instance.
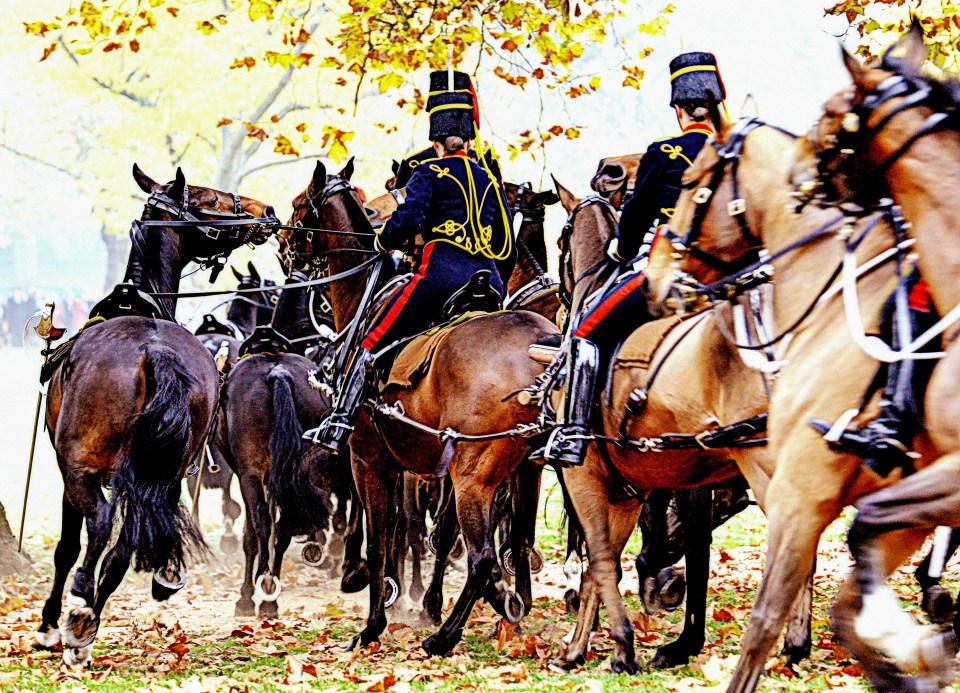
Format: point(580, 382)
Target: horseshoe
point(263, 596)
point(393, 592)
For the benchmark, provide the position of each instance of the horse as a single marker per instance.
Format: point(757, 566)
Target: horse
point(615, 178)
point(244, 312)
point(880, 139)
point(287, 489)
point(826, 375)
point(685, 378)
point(467, 390)
point(130, 406)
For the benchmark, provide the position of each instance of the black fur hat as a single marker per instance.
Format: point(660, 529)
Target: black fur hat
point(693, 76)
point(452, 114)
point(439, 85)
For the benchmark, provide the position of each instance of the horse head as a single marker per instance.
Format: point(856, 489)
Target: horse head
point(615, 177)
point(866, 127)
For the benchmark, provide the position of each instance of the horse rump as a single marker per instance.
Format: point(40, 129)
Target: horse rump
point(146, 481)
point(289, 480)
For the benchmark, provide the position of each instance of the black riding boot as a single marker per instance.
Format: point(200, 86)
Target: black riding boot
point(567, 443)
point(332, 434)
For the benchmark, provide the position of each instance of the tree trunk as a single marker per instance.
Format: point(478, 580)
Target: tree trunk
point(118, 248)
point(11, 562)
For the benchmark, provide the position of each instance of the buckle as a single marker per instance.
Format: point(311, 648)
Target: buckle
point(212, 232)
point(737, 206)
point(699, 439)
point(702, 195)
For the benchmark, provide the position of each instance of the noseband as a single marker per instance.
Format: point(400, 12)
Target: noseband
point(304, 235)
point(856, 134)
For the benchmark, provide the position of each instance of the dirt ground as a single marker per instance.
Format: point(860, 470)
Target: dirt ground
point(195, 643)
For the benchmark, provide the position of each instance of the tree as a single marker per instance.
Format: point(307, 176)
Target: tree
point(12, 562)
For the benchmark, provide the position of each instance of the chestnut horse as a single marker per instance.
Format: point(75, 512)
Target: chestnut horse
point(694, 382)
point(890, 136)
point(467, 390)
point(130, 406)
point(826, 374)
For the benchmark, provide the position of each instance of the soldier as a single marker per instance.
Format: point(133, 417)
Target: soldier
point(460, 210)
point(695, 82)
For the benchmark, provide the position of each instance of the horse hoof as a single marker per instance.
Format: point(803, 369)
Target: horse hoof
point(665, 661)
point(459, 549)
point(506, 560)
point(268, 610)
point(355, 579)
point(351, 644)
point(267, 582)
point(536, 561)
point(792, 655)
point(563, 666)
point(81, 626)
point(77, 656)
point(47, 639)
point(937, 655)
point(244, 608)
point(436, 646)
point(167, 583)
point(513, 607)
point(391, 592)
point(619, 667)
point(937, 603)
point(671, 588)
point(229, 544)
point(312, 554)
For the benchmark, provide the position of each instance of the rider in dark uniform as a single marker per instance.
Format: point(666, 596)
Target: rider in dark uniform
point(459, 209)
point(694, 81)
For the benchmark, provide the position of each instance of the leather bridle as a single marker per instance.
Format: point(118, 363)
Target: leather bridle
point(568, 280)
point(839, 153)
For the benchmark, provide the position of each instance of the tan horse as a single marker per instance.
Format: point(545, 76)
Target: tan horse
point(699, 385)
point(826, 375)
point(894, 136)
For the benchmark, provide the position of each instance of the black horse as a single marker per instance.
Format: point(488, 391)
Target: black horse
point(130, 406)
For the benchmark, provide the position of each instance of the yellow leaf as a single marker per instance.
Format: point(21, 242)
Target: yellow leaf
point(595, 82)
point(206, 27)
point(284, 146)
point(224, 122)
point(390, 79)
point(572, 133)
point(259, 9)
point(40, 28)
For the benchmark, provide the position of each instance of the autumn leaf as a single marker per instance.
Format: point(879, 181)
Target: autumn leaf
point(112, 46)
point(134, 46)
point(256, 132)
point(260, 9)
point(572, 133)
point(48, 50)
point(390, 80)
point(509, 45)
point(40, 28)
point(223, 122)
point(206, 27)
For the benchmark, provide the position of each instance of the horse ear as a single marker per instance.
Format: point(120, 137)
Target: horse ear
point(546, 198)
point(319, 180)
point(908, 53)
point(347, 171)
point(854, 66)
point(395, 167)
point(236, 273)
point(145, 182)
point(253, 272)
point(567, 198)
point(749, 107)
point(179, 186)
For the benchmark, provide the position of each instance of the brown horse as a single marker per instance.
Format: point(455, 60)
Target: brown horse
point(467, 390)
point(693, 381)
point(130, 406)
point(826, 374)
point(894, 122)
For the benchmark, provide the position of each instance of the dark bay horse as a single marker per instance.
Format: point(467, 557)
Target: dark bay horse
point(244, 312)
point(693, 381)
point(466, 389)
point(825, 375)
point(891, 135)
point(130, 406)
point(287, 489)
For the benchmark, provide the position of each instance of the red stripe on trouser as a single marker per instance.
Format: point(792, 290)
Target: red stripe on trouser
point(598, 314)
point(920, 298)
point(377, 334)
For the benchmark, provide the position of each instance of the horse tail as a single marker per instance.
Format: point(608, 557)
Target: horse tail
point(146, 482)
point(289, 481)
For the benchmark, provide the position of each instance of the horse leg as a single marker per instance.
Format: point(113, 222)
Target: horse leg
point(474, 495)
point(653, 556)
point(281, 542)
point(573, 567)
point(82, 623)
point(66, 554)
point(356, 575)
point(416, 528)
point(695, 509)
point(849, 608)
point(607, 525)
point(230, 507)
point(251, 490)
point(523, 528)
point(804, 505)
point(398, 545)
point(375, 485)
point(115, 566)
point(444, 533)
point(798, 641)
point(937, 601)
point(577, 641)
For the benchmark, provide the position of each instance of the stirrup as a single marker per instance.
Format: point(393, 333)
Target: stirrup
point(565, 446)
point(881, 453)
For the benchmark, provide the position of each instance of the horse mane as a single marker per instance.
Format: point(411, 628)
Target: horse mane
point(533, 245)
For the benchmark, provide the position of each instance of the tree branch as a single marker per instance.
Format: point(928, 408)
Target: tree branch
point(282, 162)
point(30, 157)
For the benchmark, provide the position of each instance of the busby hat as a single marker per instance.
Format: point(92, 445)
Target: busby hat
point(693, 76)
point(452, 114)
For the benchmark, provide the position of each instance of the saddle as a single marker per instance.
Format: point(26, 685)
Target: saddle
point(640, 348)
point(124, 300)
point(265, 340)
point(210, 325)
point(414, 360)
point(55, 356)
point(476, 296)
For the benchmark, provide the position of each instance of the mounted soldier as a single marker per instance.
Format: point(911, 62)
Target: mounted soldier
point(459, 209)
point(695, 83)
